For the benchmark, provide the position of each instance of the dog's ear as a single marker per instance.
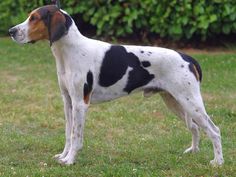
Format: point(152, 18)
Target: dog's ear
point(56, 26)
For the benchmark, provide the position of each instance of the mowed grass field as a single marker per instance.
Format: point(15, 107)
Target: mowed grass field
point(132, 136)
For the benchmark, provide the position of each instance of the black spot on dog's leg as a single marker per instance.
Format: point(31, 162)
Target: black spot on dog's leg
point(88, 87)
point(90, 80)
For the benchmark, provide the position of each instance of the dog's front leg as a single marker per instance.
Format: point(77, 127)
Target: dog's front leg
point(68, 117)
point(79, 109)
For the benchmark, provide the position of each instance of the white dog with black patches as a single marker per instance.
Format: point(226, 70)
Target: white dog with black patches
point(92, 71)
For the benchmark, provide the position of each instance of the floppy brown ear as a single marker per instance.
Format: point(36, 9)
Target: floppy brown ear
point(56, 27)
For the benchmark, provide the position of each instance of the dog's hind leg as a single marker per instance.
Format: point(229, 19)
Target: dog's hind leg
point(193, 127)
point(192, 104)
point(176, 108)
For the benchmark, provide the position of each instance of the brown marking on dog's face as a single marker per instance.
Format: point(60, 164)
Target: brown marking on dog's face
point(37, 28)
point(46, 22)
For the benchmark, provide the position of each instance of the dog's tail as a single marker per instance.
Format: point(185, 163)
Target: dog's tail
point(194, 66)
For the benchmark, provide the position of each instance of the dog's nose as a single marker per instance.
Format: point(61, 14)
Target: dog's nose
point(12, 31)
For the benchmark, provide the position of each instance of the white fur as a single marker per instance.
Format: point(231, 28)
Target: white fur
point(76, 55)
point(22, 34)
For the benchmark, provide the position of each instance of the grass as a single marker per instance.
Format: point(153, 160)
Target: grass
point(132, 136)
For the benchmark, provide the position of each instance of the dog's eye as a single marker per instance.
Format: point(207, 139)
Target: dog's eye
point(33, 18)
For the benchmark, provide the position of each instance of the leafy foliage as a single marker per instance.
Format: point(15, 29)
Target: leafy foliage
point(15, 11)
point(168, 18)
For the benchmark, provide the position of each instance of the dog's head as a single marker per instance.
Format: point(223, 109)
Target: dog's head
point(47, 22)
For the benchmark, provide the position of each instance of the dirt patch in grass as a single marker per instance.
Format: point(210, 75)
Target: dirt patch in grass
point(9, 77)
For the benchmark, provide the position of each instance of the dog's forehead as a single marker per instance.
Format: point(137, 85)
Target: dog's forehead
point(43, 11)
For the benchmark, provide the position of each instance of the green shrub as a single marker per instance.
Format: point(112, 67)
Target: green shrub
point(14, 11)
point(175, 19)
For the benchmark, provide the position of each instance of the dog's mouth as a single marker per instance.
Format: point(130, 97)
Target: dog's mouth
point(18, 39)
point(31, 42)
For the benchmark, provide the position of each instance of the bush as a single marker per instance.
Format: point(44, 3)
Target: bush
point(175, 19)
point(15, 11)
point(168, 18)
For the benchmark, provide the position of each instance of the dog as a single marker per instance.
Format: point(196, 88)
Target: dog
point(92, 71)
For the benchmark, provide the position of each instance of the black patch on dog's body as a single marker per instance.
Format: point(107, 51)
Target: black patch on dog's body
point(146, 64)
point(193, 66)
point(89, 85)
point(115, 65)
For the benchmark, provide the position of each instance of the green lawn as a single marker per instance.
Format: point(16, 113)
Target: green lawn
point(132, 136)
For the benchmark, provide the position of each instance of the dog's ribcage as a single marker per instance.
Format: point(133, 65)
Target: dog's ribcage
point(126, 69)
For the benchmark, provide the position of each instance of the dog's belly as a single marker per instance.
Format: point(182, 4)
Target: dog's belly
point(103, 94)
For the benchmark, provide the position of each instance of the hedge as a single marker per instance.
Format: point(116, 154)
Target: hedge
point(174, 19)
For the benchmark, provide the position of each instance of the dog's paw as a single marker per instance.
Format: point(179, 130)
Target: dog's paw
point(66, 161)
point(191, 150)
point(59, 156)
point(217, 162)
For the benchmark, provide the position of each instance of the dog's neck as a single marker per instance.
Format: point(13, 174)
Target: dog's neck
point(71, 38)
point(63, 49)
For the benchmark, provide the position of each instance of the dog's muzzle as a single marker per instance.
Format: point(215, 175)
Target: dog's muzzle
point(13, 32)
point(18, 35)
